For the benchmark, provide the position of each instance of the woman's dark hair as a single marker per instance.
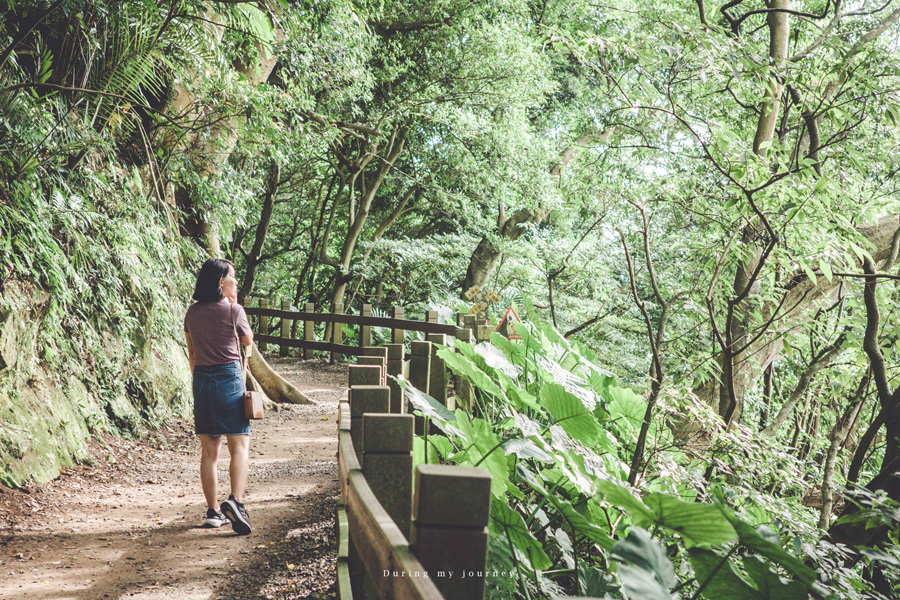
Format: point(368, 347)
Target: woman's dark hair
point(212, 271)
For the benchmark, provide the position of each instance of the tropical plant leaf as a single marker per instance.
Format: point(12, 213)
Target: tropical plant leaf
point(496, 359)
point(507, 522)
point(626, 408)
point(641, 550)
point(698, 523)
point(717, 578)
point(462, 365)
point(578, 522)
point(571, 413)
point(762, 541)
point(622, 498)
point(425, 404)
point(771, 586)
point(526, 449)
point(484, 448)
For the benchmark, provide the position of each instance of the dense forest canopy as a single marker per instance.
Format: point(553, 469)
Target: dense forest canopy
point(696, 199)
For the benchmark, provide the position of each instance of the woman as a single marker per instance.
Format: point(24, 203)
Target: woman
point(212, 325)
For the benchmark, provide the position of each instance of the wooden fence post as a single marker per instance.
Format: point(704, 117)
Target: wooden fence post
point(365, 374)
point(464, 392)
point(309, 331)
point(397, 334)
point(285, 327)
point(449, 533)
point(420, 374)
point(366, 399)
point(387, 465)
point(437, 379)
point(431, 316)
point(375, 355)
point(337, 329)
point(396, 366)
point(365, 331)
point(263, 324)
point(470, 322)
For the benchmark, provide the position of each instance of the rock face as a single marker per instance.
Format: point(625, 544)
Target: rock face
point(58, 387)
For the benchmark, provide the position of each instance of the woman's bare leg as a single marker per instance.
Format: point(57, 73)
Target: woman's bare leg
point(209, 460)
point(239, 447)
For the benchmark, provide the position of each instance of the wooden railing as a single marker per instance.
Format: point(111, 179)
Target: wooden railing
point(404, 534)
point(365, 321)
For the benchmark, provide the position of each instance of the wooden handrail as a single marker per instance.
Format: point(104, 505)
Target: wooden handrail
point(380, 543)
point(390, 323)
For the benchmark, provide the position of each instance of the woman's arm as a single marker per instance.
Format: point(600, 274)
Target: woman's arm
point(190, 345)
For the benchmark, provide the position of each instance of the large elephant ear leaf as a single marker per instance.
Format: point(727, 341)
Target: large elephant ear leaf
point(698, 523)
point(718, 578)
point(626, 409)
point(427, 405)
point(571, 414)
point(622, 498)
point(465, 366)
point(763, 541)
point(770, 585)
point(507, 522)
point(648, 574)
point(485, 450)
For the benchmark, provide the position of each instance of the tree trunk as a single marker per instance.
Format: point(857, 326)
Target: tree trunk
point(272, 384)
point(856, 534)
point(836, 438)
point(801, 299)
point(819, 362)
point(358, 219)
point(255, 257)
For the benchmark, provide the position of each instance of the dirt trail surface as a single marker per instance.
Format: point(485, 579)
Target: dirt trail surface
point(128, 526)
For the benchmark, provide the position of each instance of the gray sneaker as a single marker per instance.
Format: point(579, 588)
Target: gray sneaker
point(214, 518)
point(237, 514)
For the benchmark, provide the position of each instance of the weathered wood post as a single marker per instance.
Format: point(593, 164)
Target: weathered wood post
point(396, 366)
point(420, 373)
point(375, 355)
point(285, 327)
point(337, 329)
point(263, 324)
point(464, 392)
point(365, 331)
point(471, 322)
point(437, 380)
point(366, 399)
point(397, 334)
point(449, 533)
point(309, 331)
point(387, 464)
point(365, 374)
point(431, 316)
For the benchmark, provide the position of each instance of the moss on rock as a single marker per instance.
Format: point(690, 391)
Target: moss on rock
point(52, 402)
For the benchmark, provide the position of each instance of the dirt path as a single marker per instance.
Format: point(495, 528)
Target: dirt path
point(128, 526)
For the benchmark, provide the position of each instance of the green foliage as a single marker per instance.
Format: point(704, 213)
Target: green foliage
point(555, 482)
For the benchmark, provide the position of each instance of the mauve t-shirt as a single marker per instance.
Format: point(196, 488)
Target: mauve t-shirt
point(212, 333)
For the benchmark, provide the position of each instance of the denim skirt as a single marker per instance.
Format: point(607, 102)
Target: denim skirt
point(218, 400)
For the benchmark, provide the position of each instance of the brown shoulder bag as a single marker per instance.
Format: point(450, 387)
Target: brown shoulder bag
point(253, 401)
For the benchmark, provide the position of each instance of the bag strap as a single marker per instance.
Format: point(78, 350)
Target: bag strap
point(244, 361)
